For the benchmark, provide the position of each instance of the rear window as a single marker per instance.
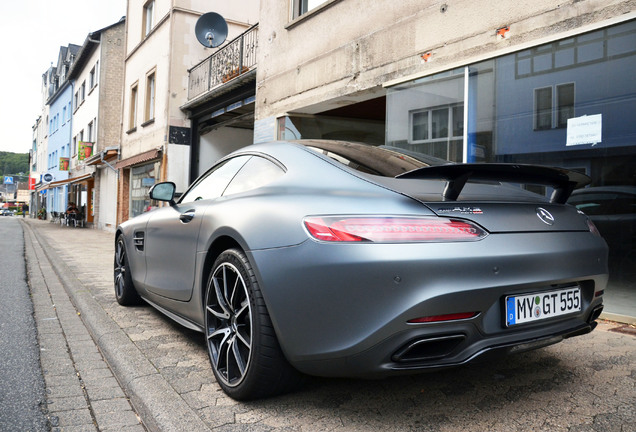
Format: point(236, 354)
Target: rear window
point(377, 160)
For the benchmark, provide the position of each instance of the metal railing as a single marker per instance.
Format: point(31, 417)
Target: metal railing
point(232, 60)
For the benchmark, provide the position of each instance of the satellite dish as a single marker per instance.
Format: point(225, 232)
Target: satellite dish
point(211, 29)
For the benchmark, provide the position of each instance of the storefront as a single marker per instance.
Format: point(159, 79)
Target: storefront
point(137, 174)
point(81, 192)
point(568, 103)
point(142, 178)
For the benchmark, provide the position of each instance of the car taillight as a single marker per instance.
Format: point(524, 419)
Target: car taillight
point(391, 229)
point(593, 228)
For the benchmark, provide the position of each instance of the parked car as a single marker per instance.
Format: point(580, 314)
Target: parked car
point(613, 211)
point(342, 259)
point(7, 212)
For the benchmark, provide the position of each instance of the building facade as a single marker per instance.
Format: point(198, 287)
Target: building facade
point(161, 47)
point(39, 153)
point(527, 82)
point(97, 100)
point(59, 129)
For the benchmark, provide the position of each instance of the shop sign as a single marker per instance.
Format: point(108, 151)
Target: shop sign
point(64, 163)
point(85, 150)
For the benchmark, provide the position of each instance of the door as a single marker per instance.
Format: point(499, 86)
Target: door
point(172, 233)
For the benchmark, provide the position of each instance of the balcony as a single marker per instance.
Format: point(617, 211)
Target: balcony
point(231, 61)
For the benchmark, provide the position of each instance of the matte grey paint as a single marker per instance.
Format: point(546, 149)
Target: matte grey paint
point(338, 309)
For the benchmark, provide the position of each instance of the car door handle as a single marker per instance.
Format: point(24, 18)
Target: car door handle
point(186, 217)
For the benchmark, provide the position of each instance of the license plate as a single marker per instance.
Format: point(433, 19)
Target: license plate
point(539, 306)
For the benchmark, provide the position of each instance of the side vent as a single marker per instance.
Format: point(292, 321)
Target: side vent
point(138, 241)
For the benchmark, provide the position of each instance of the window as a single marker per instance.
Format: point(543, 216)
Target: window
point(438, 131)
point(89, 132)
point(76, 100)
point(215, 181)
point(142, 179)
point(132, 116)
point(74, 146)
point(148, 19)
point(543, 108)
point(565, 104)
point(545, 117)
point(83, 92)
point(63, 115)
point(150, 97)
point(301, 7)
point(92, 80)
point(255, 173)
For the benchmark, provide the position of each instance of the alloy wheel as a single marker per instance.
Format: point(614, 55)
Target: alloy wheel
point(120, 268)
point(229, 324)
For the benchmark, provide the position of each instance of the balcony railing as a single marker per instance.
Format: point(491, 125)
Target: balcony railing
point(232, 60)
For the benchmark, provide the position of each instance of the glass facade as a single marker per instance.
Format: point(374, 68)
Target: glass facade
point(570, 103)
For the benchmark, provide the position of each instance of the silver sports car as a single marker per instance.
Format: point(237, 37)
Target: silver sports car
point(341, 259)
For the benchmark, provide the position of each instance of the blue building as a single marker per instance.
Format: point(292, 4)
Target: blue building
point(59, 130)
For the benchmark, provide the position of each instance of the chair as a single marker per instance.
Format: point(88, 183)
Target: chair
point(78, 220)
point(54, 217)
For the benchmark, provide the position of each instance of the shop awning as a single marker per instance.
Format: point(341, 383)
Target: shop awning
point(67, 181)
point(137, 159)
point(107, 155)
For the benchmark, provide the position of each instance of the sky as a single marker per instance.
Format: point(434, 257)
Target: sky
point(32, 32)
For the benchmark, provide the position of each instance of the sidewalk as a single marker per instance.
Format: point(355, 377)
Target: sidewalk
point(583, 384)
point(70, 274)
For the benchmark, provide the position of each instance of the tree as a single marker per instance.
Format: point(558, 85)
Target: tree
point(14, 163)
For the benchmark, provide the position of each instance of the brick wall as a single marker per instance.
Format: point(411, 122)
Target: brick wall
point(123, 195)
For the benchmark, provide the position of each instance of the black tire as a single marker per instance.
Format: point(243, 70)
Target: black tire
point(125, 291)
point(246, 357)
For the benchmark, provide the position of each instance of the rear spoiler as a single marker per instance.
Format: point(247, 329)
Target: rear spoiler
point(456, 175)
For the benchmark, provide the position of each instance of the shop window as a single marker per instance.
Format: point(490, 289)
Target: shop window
point(142, 179)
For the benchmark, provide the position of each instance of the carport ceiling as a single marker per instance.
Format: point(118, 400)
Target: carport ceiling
point(372, 109)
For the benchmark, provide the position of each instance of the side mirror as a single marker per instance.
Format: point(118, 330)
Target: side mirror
point(163, 191)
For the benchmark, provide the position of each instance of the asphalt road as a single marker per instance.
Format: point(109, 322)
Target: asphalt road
point(22, 394)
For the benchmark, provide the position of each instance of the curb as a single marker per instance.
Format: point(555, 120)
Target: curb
point(156, 402)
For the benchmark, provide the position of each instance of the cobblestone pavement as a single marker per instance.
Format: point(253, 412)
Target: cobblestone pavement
point(583, 384)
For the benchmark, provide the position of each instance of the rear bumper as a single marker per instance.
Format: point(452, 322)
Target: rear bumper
point(342, 309)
